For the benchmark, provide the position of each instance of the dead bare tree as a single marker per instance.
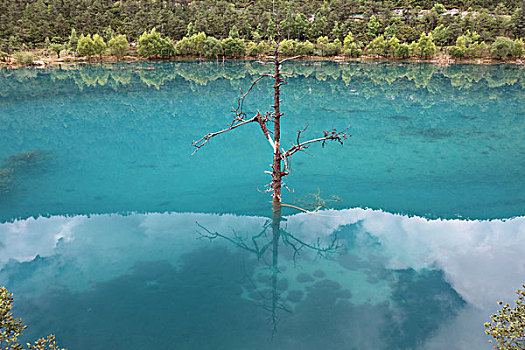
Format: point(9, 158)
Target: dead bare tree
point(281, 157)
point(270, 125)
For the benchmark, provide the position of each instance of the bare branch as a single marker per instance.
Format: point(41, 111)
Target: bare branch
point(286, 169)
point(331, 135)
point(239, 112)
point(289, 59)
point(262, 123)
point(203, 140)
point(240, 119)
point(288, 188)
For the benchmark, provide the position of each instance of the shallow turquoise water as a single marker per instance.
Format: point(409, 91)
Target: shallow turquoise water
point(105, 212)
point(426, 140)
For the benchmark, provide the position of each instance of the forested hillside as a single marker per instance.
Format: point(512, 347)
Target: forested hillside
point(26, 24)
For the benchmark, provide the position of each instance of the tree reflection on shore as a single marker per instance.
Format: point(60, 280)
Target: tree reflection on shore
point(391, 78)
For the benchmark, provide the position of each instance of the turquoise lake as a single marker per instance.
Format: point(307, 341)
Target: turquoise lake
point(114, 236)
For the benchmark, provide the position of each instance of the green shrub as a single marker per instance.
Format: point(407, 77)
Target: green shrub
point(456, 51)
point(152, 44)
point(426, 46)
point(24, 57)
point(253, 49)
point(477, 49)
point(118, 46)
point(86, 46)
point(73, 39)
point(234, 33)
point(332, 49)
point(305, 48)
point(322, 43)
point(99, 46)
point(213, 47)
point(11, 328)
point(502, 47)
point(287, 47)
point(507, 326)
point(353, 49)
point(468, 46)
point(378, 47)
point(403, 51)
point(193, 45)
point(393, 47)
point(348, 40)
point(338, 46)
point(517, 50)
point(233, 47)
point(413, 49)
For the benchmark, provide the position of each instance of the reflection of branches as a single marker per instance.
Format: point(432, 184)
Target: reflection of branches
point(297, 245)
point(257, 245)
point(272, 299)
point(240, 241)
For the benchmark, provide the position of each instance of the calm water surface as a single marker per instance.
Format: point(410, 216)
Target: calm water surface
point(113, 236)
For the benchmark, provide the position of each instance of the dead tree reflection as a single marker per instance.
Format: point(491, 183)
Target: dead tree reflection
point(267, 242)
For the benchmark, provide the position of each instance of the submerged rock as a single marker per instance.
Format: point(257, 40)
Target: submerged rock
point(282, 284)
point(27, 160)
point(328, 284)
point(399, 117)
point(303, 278)
point(319, 274)
point(295, 296)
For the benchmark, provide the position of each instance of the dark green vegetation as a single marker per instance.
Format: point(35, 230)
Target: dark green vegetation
point(11, 328)
point(508, 325)
point(394, 29)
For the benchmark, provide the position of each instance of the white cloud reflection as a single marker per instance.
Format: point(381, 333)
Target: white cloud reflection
point(482, 260)
point(474, 255)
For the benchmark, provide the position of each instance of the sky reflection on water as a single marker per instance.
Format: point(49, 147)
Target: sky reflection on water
point(397, 282)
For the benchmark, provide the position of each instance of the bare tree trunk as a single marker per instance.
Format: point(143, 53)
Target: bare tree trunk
point(276, 168)
point(276, 234)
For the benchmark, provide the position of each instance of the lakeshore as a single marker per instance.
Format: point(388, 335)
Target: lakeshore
point(50, 62)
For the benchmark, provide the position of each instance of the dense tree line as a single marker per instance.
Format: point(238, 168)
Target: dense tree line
point(386, 28)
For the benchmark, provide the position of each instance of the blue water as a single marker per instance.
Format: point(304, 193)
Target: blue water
point(106, 217)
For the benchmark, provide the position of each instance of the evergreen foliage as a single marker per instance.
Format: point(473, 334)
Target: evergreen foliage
point(502, 47)
point(38, 24)
point(233, 47)
point(426, 45)
point(153, 44)
point(86, 46)
point(99, 46)
point(118, 46)
point(56, 48)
